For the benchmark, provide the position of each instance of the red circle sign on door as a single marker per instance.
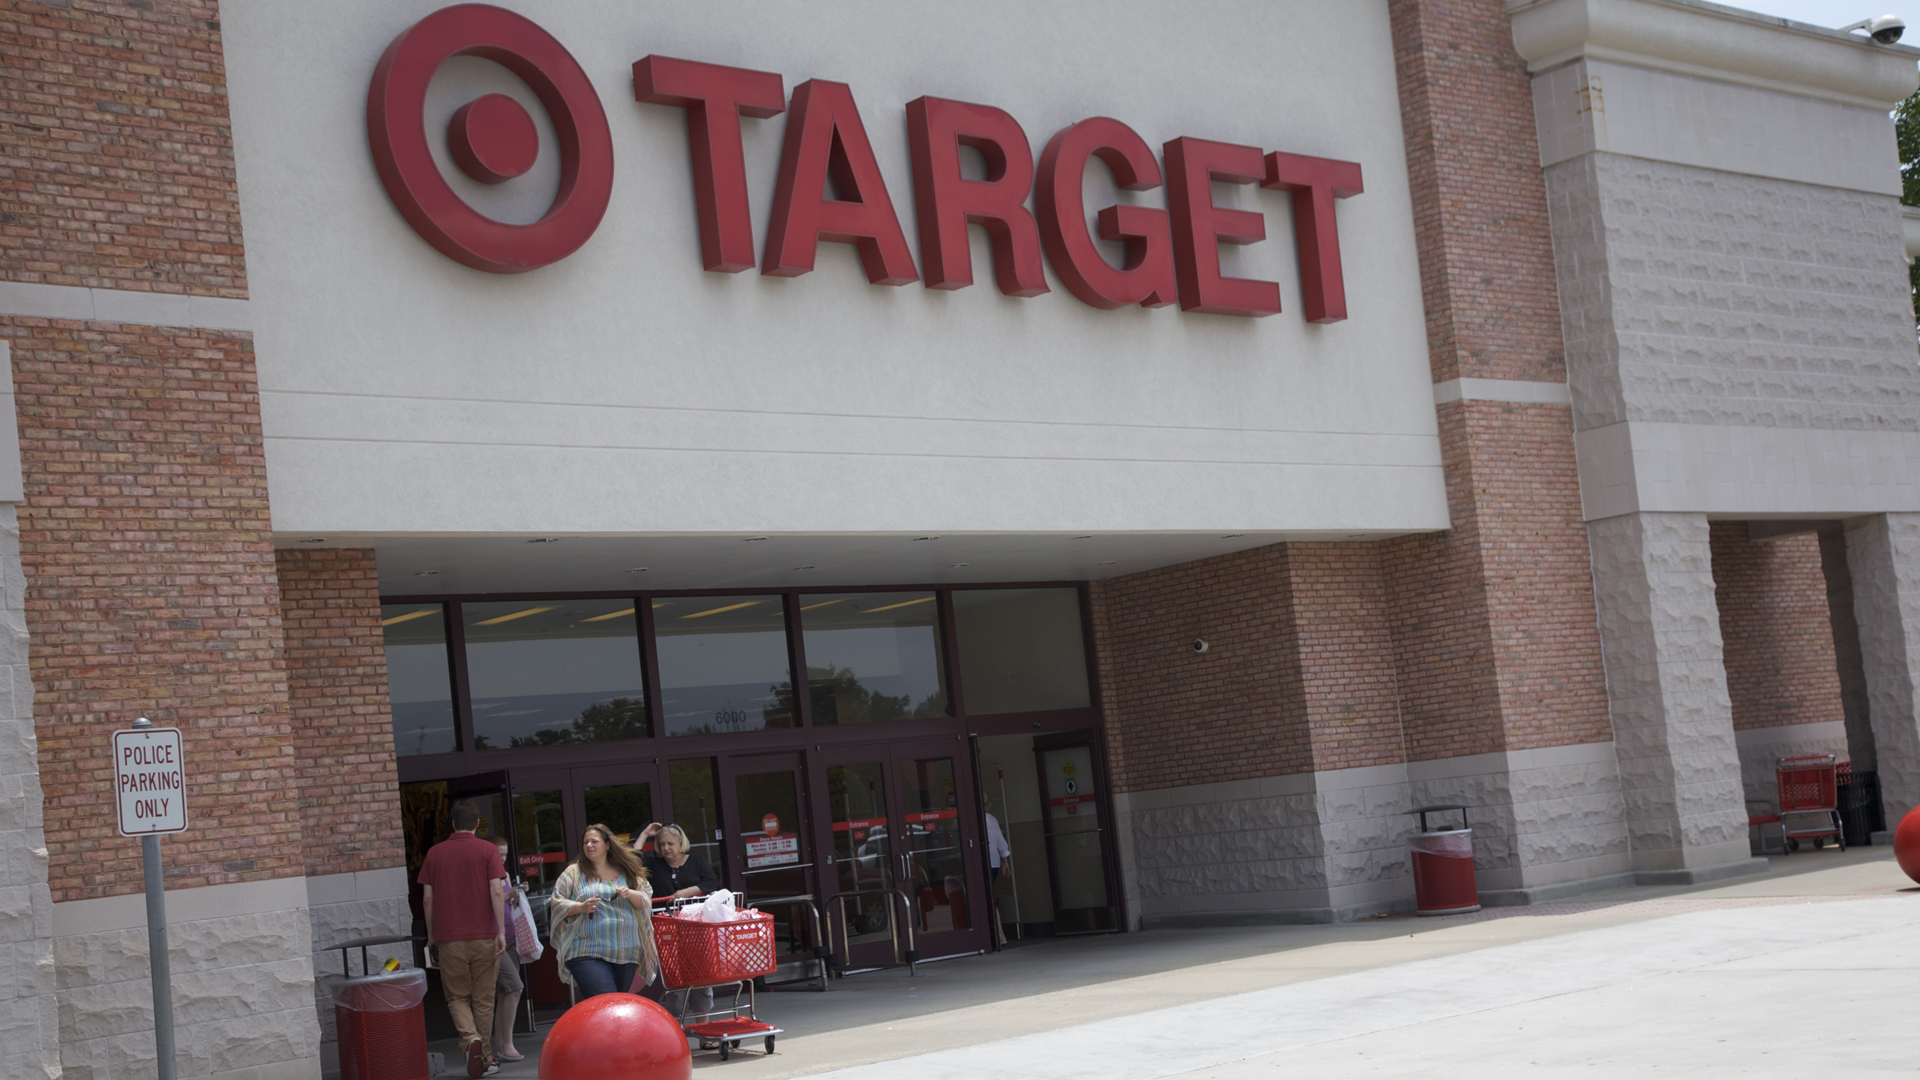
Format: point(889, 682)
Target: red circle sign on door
point(770, 825)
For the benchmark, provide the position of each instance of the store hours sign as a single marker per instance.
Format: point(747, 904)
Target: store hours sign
point(149, 781)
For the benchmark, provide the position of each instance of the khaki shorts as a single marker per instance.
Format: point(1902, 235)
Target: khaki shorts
point(507, 980)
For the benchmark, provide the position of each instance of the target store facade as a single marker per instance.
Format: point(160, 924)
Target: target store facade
point(1196, 436)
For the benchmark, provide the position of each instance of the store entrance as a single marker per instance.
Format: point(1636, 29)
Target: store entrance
point(902, 830)
point(771, 855)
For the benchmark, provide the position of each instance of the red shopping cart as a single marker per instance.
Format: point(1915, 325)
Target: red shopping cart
point(696, 955)
point(1809, 793)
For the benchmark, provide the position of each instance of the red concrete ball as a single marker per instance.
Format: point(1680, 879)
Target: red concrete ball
point(616, 1035)
point(1906, 843)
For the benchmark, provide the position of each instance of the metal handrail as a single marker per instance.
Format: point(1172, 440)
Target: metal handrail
point(820, 951)
point(912, 952)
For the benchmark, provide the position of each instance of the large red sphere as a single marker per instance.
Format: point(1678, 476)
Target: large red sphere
point(616, 1037)
point(1906, 843)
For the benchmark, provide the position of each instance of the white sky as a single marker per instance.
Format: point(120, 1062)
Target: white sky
point(1830, 12)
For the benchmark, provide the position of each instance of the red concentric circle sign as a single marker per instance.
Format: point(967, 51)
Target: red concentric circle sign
point(396, 129)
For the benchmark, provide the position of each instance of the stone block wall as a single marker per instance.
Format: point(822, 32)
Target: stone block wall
point(242, 981)
point(1883, 554)
point(29, 1020)
point(1672, 719)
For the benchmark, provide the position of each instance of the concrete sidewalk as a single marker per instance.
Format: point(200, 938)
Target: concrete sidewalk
point(1808, 968)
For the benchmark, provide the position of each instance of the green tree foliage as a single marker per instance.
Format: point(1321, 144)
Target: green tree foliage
point(1906, 126)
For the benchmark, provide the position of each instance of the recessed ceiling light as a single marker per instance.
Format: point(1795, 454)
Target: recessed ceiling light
point(315, 540)
point(803, 568)
point(545, 540)
point(1109, 562)
point(753, 539)
point(425, 573)
point(1233, 536)
point(1089, 537)
point(636, 569)
point(958, 565)
point(917, 539)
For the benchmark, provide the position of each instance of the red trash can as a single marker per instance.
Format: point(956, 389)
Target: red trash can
point(1443, 882)
point(383, 1026)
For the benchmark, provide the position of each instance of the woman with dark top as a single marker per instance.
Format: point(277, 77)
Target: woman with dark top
point(675, 869)
point(678, 872)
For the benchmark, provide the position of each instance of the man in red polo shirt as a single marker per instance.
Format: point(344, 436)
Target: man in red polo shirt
point(464, 918)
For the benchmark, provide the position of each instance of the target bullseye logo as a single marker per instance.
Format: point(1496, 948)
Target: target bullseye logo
point(491, 138)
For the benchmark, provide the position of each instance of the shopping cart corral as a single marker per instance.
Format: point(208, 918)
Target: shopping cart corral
point(717, 956)
point(1809, 801)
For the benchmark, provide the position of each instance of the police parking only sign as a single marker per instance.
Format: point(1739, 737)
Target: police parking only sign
point(150, 781)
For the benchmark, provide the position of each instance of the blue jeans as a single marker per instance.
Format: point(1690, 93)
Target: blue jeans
point(593, 976)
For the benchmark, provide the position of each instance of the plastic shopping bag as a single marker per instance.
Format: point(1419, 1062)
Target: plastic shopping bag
point(717, 907)
point(525, 938)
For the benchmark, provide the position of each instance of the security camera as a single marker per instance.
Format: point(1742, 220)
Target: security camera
point(1886, 29)
point(1199, 644)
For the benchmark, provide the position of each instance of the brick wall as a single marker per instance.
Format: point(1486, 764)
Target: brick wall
point(1480, 208)
point(337, 690)
point(1494, 619)
point(1298, 675)
point(116, 161)
point(145, 533)
point(1778, 641)
point(150, 591)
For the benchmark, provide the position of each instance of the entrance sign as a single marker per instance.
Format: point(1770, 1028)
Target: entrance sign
point(149, 781)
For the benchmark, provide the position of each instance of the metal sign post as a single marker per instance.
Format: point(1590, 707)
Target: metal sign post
point(150, 797)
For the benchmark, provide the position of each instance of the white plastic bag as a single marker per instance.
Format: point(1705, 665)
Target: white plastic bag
point(717, 907)
point(525, 938)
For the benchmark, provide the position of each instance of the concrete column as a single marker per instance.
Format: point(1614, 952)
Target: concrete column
point(29, 1013)
point(1883, 556)
point(1672, 719)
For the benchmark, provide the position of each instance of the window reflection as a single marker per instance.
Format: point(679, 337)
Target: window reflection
point(1021, 650)
point(546, 672)
point(873, 656)
point(419, 680)
point(723, 664)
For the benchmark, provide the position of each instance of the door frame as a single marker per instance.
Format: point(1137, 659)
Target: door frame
point(1092, 739)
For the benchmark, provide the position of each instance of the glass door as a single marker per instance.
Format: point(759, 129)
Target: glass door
point(936, 840)
point(772, 859)
point(861, 870)
point(902, 823)
point(1076, 836)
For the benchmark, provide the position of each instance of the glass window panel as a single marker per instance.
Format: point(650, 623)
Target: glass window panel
point(696, 807)
point(873, 656)
point(627, 809)
point(1021, 650)
point(419, 679)
point(540, 847)
point(545, 672)
point(723, 664)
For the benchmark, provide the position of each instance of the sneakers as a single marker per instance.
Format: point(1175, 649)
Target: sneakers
point(477, 1063)
point(492, 1067)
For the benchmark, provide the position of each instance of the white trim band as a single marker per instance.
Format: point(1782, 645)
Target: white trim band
point(1517, 391)
point(124, 306)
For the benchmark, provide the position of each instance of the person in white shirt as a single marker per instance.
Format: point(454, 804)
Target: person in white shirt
point(999, 854)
